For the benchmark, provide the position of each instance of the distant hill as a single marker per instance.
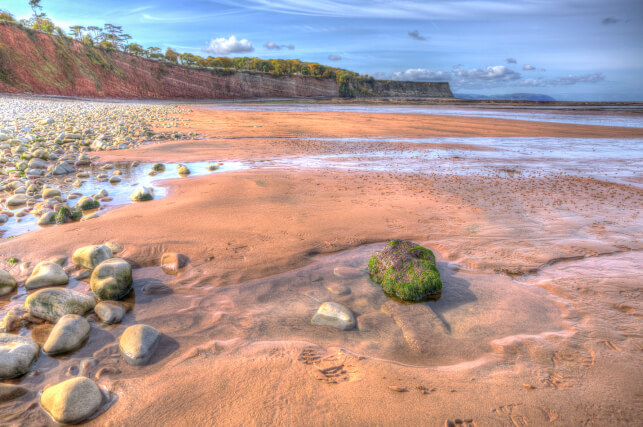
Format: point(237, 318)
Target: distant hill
point(507, 97)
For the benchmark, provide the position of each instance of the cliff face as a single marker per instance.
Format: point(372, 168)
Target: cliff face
point(35, 63)
point(411, 89)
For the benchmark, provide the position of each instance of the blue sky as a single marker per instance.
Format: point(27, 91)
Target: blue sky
point(568, 49)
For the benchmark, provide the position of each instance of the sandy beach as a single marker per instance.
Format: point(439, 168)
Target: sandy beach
point(539, 250)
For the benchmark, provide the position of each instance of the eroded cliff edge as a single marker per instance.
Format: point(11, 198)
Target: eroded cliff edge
point(32, 62)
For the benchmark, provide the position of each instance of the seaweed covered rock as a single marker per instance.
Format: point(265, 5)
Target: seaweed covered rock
point(405, 270)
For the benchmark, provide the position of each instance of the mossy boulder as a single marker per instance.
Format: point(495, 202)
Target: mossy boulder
point(87, 203)
point(53, 303)
point(111, 279)
point(158, 167)
point(90, 256)
point(406, 271)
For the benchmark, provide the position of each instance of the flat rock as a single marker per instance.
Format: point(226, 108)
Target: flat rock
point(72, 401)
point(335, 315)
point(17, 200)
point(109, 311)
point(17, 353)
point(68, 335)
point(338, 289)
point(90, 256)
point(422, 329)
point(46, 273)
point(7, 283)
point(53, 303)
point(9, 392)
point(138, 343)
point(112, 279)
point(345, 272)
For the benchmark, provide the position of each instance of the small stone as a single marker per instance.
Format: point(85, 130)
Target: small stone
point(49, 193)
point(7, 283)
point(72, 401)
point(183, 170)
point(449, 423)
point(10, 392)
point(53, 303)
point(114, 179)
point(17, 353)
point(109, 311)
point(46, 273)
point(112, 279)
point(172, 262)
point(398, 388)
point(90, 256)
point(335, 315)
point(338, 289)
point(47, 218)
point(138, 343)
point(69, 334)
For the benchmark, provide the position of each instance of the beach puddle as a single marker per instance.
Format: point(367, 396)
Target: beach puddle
point(117, 193)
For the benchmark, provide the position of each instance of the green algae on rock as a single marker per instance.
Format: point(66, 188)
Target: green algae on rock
point(406, 271)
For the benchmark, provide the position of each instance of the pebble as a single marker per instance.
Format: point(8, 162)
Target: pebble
point(335, 315)
point(109, 311)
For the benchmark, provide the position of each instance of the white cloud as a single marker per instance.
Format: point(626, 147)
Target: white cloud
point(223, 46)
point(421, 74)
point(334, 57)
point(528, 67)
point(275, 46)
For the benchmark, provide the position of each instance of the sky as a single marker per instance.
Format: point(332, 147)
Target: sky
point(577, 50)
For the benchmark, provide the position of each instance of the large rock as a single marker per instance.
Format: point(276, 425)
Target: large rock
point(138, 343)
point(63, 168)
point(72, 401)
point(90, 256)
point(53, 303)
point(109, 311)
point(17, 353)
point(142, 194)
point(406, 271)
point(335, 315)
point(7, 283)
point(112, 279)
point(46, 273)
point(69, 334)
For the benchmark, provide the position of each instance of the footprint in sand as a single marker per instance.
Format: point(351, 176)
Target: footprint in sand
point(329, 368)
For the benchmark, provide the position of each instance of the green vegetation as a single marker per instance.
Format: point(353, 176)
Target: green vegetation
point(12, 261)
point(112, 38)
point(406, 271)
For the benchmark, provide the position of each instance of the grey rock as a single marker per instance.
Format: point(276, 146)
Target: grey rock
point(112, 279)
point(17, 353)
point(138, 343)
point(109, 311)
point(69, 334)
point(7, 283)
point(72, 401)
point(335, 315)
point(46, 273)
point(90, 256)
point(53, 303)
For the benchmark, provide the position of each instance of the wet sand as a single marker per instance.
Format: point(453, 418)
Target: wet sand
point(539, 321)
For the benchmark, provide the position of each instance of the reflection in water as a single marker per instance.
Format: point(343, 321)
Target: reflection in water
point(623, 116)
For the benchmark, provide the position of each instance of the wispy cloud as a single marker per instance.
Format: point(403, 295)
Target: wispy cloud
point(275, 46)
point(415, 34)
point(491, 77)
point(335, 57)
point(223, 46)
point(528, 67)
point(609, 21)
point(512, 61)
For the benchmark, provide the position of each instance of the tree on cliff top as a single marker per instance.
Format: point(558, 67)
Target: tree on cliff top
point(76, 31)
point(36, 8)
point(172, 56)
point(6, 16)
